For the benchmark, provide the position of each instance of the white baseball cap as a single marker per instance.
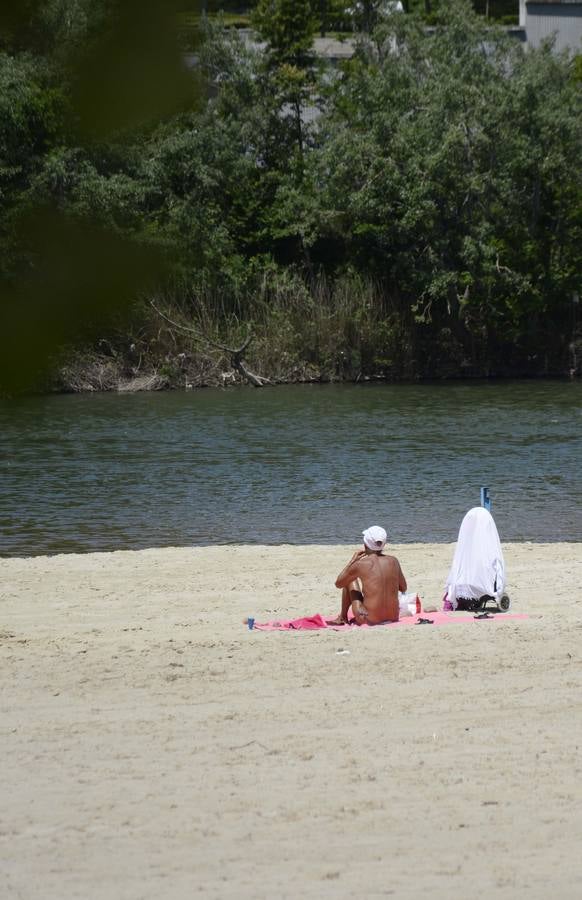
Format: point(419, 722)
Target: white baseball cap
point(375, 537)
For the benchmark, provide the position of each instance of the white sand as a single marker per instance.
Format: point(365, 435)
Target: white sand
point(153, 747)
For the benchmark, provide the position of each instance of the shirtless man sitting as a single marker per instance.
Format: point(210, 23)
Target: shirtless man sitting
point(370, 583)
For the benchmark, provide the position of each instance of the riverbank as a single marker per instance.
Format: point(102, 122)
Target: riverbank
point(95, 373)
point(154, 747)
point(295, 332)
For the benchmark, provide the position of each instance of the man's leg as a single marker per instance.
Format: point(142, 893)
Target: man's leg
point(351, 596)
point(357, 602)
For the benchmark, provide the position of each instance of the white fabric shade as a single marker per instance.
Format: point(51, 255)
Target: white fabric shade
point(478, 567)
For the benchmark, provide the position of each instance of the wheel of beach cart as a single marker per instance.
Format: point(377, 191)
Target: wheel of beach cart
point(504, 603)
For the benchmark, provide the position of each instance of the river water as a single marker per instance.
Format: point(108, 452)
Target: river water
point(297, 464)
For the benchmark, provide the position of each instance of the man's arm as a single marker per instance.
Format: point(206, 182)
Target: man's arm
point(350, 571)
point(401, 580)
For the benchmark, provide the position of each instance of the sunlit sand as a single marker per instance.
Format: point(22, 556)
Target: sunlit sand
point(154, 747)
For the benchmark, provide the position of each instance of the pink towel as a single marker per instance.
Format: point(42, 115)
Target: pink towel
point(306, 623)
point(312, 623)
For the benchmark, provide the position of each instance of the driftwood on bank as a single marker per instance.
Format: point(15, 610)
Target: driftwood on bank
point(236, 353)
point(153, 382)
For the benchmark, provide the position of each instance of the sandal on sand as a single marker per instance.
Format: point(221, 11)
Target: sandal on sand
point(484, 615)
point(424, 621)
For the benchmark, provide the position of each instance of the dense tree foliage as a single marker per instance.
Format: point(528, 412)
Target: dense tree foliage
point(416, 211)
point(456, 153)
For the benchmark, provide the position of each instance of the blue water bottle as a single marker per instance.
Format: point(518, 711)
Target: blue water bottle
point(250, 623)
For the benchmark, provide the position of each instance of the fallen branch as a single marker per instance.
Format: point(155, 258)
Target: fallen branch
point(501, 268)
point(236, 353)
point(153, 382)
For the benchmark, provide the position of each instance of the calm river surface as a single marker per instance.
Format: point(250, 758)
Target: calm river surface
point(305, 464)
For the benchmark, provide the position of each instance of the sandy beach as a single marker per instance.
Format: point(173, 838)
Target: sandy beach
point(154, 747)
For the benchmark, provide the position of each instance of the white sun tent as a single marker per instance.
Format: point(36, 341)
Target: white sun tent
point(478, 567)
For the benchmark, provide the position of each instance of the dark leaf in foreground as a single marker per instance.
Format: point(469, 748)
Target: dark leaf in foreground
point(80, 279)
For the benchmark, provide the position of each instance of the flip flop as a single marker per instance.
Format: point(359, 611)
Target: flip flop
point(425, 622)
point(484, 615)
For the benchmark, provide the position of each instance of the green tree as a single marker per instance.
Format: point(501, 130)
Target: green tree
point(331, 15)
point(367, 14)
point(453, 177)
point(288, 27)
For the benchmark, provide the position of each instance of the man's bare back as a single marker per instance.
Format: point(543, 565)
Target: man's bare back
point(370, 583)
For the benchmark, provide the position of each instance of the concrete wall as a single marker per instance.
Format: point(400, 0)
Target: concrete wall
point(542, 19)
